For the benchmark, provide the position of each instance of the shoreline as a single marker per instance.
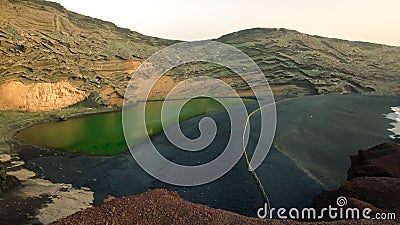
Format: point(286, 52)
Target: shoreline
point(32, 119)
point(49, 116)
point(15, 121)
point(39, 193)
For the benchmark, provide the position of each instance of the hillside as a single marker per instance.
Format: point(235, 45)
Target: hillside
point(42, 42)
point(321, 65)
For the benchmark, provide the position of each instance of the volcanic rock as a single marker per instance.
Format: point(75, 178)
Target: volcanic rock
point(373, 181)
point(7, 181)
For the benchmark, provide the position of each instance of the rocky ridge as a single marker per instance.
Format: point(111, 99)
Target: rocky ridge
point(373, 181)
point(38, 96)
point(42, 42)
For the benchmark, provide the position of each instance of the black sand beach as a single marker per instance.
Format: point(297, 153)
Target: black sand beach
point(315, 136)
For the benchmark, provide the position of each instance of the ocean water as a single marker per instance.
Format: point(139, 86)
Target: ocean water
point(395, 116)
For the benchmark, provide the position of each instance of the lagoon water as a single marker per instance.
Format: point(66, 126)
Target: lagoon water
point(314, 139)
point(102, 134)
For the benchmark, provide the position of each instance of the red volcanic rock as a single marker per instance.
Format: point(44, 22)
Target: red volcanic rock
point(373, 181)
point(161, 206)
point(157, 206)
point(380, 161)
point(382, 192)
point(373, 192)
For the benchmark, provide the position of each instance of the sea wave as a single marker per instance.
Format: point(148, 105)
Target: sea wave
point(395, 116)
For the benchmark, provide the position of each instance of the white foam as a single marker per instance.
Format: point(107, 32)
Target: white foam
point(395, 116)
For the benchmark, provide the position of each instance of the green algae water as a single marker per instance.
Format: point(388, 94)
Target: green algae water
point(102, 134)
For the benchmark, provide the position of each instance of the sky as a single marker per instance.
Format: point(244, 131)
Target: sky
point(362, 20)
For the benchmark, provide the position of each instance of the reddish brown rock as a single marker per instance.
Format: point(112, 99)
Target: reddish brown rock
point(155, 207)
point(382, 192)
point(380, 161)
point(373, 192)
point(373, 181)
point(161, 206)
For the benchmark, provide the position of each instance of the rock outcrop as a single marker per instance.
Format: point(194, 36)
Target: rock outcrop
point(373, 181)
point(38, 96)
point(381, 161)
point(42, 42)
point(7, 181)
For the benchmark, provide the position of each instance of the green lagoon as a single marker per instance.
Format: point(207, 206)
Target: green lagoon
point(102, 134)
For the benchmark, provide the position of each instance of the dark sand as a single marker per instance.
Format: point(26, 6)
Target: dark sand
point(321, 132)
point(17, 210)
point(315, 155)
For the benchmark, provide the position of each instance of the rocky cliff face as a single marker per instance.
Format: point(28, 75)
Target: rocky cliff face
point(380, 161)
point(42, 42)
point(373, 181)
point(319, 65)
point(38, 96)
